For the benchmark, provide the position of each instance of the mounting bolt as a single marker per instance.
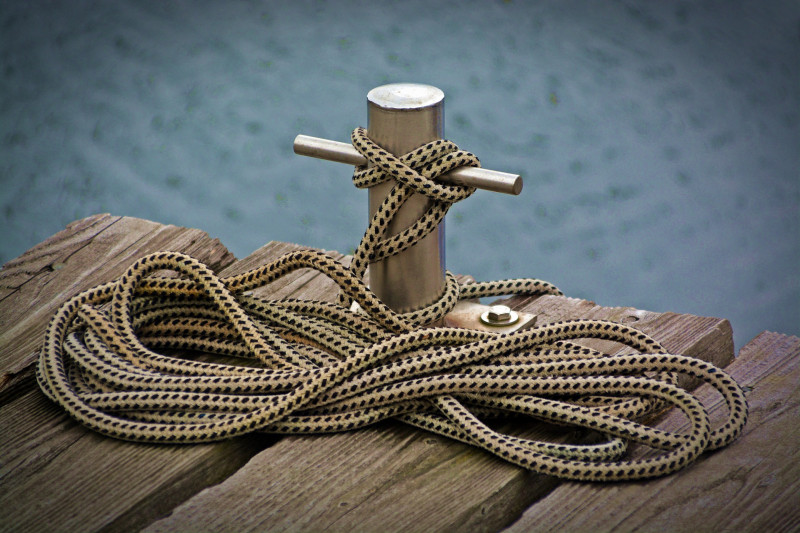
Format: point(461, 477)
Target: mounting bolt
point(499, 315)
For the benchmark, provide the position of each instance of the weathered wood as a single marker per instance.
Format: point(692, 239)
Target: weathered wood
point(392, 478)
point(55, 474)
point(88, 252)
point(753, 485)
point(336, 482)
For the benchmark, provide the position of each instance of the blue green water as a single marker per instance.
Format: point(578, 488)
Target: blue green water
point(659, 141)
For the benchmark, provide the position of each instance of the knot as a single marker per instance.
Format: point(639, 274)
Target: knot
point(414, 172)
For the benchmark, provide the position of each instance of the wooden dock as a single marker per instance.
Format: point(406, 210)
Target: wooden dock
point(55, 475)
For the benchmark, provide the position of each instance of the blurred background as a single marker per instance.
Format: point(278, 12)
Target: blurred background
point(659, 141)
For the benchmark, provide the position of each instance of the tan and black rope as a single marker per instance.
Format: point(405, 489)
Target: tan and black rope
point(110, 356)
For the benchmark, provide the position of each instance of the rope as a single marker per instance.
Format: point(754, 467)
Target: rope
point(112, 359)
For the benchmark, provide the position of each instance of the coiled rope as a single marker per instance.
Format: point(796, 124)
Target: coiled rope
point(108, 356)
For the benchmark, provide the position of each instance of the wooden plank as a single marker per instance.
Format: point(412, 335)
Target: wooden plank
point(55, 474)
point(88, 252)
point(753, 485)
point(351, 482)
point(391, 477)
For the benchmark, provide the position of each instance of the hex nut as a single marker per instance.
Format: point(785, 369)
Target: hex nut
point(499, 313)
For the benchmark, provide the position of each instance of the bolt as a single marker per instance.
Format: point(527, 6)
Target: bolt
point(499, 315)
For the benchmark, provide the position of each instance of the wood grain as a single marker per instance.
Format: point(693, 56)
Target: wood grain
point(752, 485)
point(55, 474)
point(88, 252)
point(395, 478)
point(54, 471)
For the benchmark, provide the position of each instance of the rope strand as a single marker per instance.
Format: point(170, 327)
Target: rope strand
point(315, 367)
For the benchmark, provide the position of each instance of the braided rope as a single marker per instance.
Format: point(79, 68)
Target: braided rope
point(110, 359)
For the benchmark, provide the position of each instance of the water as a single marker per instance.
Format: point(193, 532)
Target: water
point(659, 141)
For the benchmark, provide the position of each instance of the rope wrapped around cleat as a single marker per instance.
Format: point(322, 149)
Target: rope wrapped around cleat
point(114, 357)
